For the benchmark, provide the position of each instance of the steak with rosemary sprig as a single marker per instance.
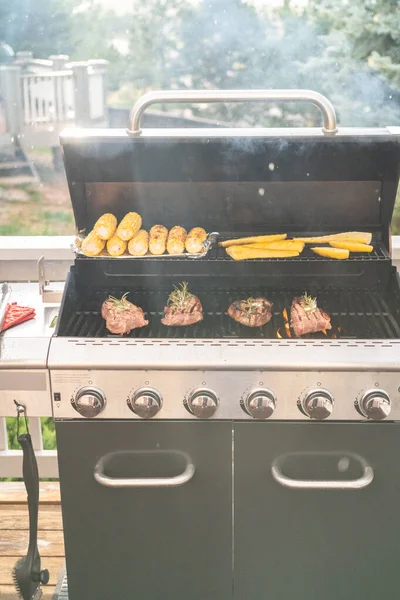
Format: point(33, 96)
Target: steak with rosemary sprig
point(183, 308)
point(121, 315)
point(306, 317)
point(253, 312)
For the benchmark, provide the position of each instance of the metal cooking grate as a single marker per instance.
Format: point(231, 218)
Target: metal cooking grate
point(354, 314)
point(218, 254)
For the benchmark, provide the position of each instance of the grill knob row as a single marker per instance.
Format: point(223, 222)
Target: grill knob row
point(203, 403)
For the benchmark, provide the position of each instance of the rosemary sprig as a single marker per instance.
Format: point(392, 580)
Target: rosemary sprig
point(179, 297)
point(251, 305)
point(308, 303)
point(120, 304)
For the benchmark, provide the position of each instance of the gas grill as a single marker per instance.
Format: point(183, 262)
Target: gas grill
point(147, 423)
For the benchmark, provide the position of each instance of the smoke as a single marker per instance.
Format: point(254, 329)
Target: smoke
point(228, 44)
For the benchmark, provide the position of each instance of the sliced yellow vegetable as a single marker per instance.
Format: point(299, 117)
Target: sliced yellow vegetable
point(338, 253)
point(352, 246)
point(255, 239)
point(279, 245)
point(245, 253)
point(355, 236)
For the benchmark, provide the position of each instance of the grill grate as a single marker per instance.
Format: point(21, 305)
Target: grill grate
point(378, 253)
point(354, 314)
point(218, 254)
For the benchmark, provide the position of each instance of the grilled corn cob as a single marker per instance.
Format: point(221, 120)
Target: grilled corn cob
point(116, 246)
point(129, 226)
point(176, 240)
point(195, 239)
point(105, 226)
point(92, 245)
point(139, 245)
point(158, 239)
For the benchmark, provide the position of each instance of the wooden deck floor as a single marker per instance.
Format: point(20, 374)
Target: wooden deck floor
point(14, 528)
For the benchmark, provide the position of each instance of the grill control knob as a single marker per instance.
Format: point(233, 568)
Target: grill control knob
point(318, 404)
point(203, 403)
point(375, 405)
point(260, 403)
point(145, 402)
point(89, 402)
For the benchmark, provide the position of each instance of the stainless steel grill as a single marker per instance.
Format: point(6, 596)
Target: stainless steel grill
point(213, 460)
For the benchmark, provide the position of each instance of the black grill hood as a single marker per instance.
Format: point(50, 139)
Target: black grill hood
point(233, 181)
point(237, 180)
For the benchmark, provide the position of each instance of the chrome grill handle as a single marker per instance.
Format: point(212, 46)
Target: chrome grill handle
point(216, 96)
point(143, 482)
point(319, 484)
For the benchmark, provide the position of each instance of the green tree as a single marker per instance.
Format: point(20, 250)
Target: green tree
point(43, 26)
point(360, 65)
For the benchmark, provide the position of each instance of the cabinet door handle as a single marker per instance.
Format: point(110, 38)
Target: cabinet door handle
point(320, 484)
point(143, 482)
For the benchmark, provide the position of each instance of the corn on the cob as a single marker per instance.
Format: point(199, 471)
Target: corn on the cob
point(129, 226)
point(105, 226)
point(92, 245)
point(139, 245)
point(116, 246)
point(158, 239)
point(195, 239)
point(176, 240)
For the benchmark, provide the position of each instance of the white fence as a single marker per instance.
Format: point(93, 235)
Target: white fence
point(48, 98)
point(38, 103)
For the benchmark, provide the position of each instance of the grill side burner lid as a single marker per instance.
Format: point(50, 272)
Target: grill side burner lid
point(237, 180)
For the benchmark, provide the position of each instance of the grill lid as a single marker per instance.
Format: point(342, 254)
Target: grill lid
point(236, 181)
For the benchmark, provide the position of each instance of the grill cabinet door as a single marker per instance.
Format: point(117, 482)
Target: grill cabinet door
point(147, 543)
point(313, 544)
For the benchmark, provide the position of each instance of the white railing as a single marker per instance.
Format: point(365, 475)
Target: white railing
point(48, 98)
point(11, 460)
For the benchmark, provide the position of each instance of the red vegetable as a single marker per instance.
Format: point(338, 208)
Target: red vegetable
point(17, 314)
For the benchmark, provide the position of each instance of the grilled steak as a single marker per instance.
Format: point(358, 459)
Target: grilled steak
point(122, 316)
point(253, 312)
point(183, 308)
point(306, 317)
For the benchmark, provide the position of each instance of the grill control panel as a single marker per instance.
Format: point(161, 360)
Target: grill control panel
point(241, 395)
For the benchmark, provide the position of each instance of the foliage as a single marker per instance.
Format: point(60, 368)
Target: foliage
point(42, 26)
point(48, 433)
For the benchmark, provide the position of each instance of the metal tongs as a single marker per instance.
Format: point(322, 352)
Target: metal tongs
point(27, 573)
point(5, 294)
